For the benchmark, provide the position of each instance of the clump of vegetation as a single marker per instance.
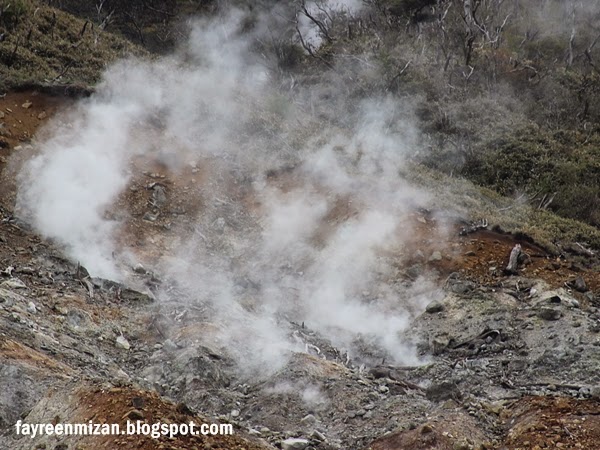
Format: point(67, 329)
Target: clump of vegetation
point(42, 45)
point(12, 12)
point(557, 170)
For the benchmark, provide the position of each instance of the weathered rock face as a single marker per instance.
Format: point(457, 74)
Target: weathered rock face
point(480, 346)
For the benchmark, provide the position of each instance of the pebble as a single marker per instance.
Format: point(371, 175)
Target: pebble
point(436, 256)
point(384, 389)
point(434, 307)
point(308, 420)
point(294, 444)
point(122, 343)
point(316, 434)
point(549, 313)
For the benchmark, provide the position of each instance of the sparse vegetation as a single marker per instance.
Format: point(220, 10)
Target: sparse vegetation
point(507, 93)
point(12, 12)
point(48, 46)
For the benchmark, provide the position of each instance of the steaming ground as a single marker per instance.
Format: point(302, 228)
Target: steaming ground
point(300, 212)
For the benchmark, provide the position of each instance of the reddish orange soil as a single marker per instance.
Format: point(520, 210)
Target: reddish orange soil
point(553, 423)
point(117, 405)
point(22, 113)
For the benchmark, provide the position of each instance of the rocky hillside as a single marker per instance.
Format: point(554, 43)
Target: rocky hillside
point(509, 360)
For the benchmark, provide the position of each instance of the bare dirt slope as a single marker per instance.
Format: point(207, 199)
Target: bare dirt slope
point(510, 360)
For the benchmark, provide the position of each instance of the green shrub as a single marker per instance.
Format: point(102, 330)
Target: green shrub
point(564, 165)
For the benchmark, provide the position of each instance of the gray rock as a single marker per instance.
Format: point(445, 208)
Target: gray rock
point(317, 435)
point(579, 284)
point(308, 420)
point(434, 307)
point(461, 287)
point(9, 298)
point(122, 343)
point(149, 217)
point(546, 313)
point(595, 391)
point(436, 256)
point(294, 444)
point(13, 283)
point(443, 391)
point(159, 195)
point(414, 271)
point(170, 346)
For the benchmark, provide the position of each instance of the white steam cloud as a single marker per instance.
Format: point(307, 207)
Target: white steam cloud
point(329, 205)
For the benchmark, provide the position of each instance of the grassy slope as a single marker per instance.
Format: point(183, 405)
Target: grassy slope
point(474, 202)
point(46, 46)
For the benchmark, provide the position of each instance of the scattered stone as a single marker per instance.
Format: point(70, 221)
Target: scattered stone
point(308, 420)
point(149, 217)
point(138, 268)
point(595, 392)
point(414, 271)
point(578, 284)
point(9, 298)
point(549, 313)
point(13, 283)
point(435, 256)
point(426, 429)
point(2, 115)
point(122, 343)
point(434, 307)
point(26, 105)
point(442, 391)
point(294, 444)
point(470, 253)
point(42, 115)
point(31, 308)
point(461, 287)
point(235, 413)
point(380, 372)
point(317, 435)
point(134, 414)
point(159, 195)
point(138, 402)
